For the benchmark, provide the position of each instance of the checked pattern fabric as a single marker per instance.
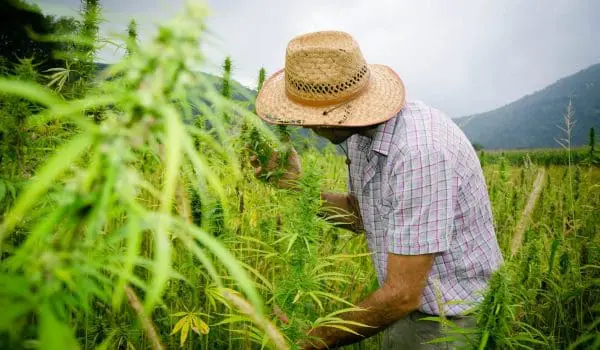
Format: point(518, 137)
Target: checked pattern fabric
point(421, 190)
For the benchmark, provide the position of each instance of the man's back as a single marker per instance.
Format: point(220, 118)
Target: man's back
point(421, 190)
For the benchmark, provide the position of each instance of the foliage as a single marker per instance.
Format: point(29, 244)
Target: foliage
point(18, 21)
point(542, 157)
point(129, 217)
point(106, 210)
point(132, 36)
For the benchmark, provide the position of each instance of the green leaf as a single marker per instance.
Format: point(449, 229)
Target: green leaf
point(292, 239)
point(107, 342)
point(232, 319)
point(54, 335)
point(199, 253)
point(184, 331)
point(30, 91)
point(13, 312)
point(162, 240)
point(441, 340)
point(316, 299)
point(180, 314)
point(200, 327)
point(46, 177)
point(225, 258)
point(258, 275)
point(334, 297)
point(13, 191)
point(349, 309)
point(484, 339)
point(161, 268)
point(179, 324)
point(2, 190)
point(134, 239)
point(343, 328)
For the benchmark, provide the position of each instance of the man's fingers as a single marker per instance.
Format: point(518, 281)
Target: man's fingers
point(253, 160)
point(257, 171)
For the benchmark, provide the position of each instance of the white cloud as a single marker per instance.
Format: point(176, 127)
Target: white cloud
point(462, 56)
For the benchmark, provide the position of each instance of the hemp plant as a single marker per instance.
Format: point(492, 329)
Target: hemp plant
point(264, 144)
point(304, 293)
point(110, 190)
point(132, 37)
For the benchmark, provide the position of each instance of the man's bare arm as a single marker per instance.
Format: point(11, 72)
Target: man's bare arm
point(342, 209)
point(399, 296)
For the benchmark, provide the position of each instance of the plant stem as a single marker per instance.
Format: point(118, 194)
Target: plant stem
point(147, 324)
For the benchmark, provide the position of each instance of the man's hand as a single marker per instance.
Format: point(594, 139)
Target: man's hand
point(311, 345)
point(291, 174)
point(397, 297)
point(342, 209)
point(315, 341)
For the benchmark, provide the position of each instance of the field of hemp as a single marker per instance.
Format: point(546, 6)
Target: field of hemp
point(131, 219)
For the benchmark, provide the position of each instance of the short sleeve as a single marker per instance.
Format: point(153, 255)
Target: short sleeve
point(422, 214)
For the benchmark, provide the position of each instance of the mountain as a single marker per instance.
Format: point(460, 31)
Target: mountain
point(532, 121)
point(300, 137)
point(238, 91)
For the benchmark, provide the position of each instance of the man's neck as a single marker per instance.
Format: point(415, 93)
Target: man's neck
point(369, 131)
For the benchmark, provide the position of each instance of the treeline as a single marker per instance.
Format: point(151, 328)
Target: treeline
point(542, 157)
point(545, 157)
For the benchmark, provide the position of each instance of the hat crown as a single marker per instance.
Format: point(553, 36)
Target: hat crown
point(324, 68)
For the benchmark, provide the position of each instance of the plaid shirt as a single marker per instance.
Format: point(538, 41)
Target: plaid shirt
point(421, 190)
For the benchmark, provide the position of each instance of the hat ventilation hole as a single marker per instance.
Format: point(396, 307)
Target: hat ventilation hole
point(321, 90)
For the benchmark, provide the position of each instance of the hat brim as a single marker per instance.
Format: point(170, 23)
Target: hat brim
point(382, 99)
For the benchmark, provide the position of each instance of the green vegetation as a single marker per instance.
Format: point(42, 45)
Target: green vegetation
point(130, 218)
point(543, 156)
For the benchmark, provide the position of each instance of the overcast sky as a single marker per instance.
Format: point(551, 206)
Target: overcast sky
point(462, 56)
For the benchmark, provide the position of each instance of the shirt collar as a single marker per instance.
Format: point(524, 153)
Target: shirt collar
point(382, 140)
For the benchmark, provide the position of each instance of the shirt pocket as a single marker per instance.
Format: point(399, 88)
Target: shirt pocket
point(387, 194)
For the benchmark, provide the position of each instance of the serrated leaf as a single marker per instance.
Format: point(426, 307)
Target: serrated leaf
point(292, 240)
point(346, 329)
point(297, 297)
point(334, 297)
point(184, 332)
point(195, 325)
point(232, 319)
point(316, 299)
point(201, 326)
point(179, 325)
point(180, 314)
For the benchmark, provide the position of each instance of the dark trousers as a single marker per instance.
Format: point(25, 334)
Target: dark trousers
point(411, 333)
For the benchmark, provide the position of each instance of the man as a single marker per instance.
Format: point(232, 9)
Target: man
point(416, 188)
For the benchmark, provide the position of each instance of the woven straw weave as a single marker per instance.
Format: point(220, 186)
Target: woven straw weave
point(326, 81)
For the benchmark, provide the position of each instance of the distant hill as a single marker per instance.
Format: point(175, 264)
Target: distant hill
point(531, 122)
point(243, 94)
point(239, 92)
point(300, 136)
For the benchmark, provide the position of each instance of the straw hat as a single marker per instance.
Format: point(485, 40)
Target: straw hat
point(326, 82)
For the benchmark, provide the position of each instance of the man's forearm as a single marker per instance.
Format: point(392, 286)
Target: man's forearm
point(342, 209)
point(381, 309)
